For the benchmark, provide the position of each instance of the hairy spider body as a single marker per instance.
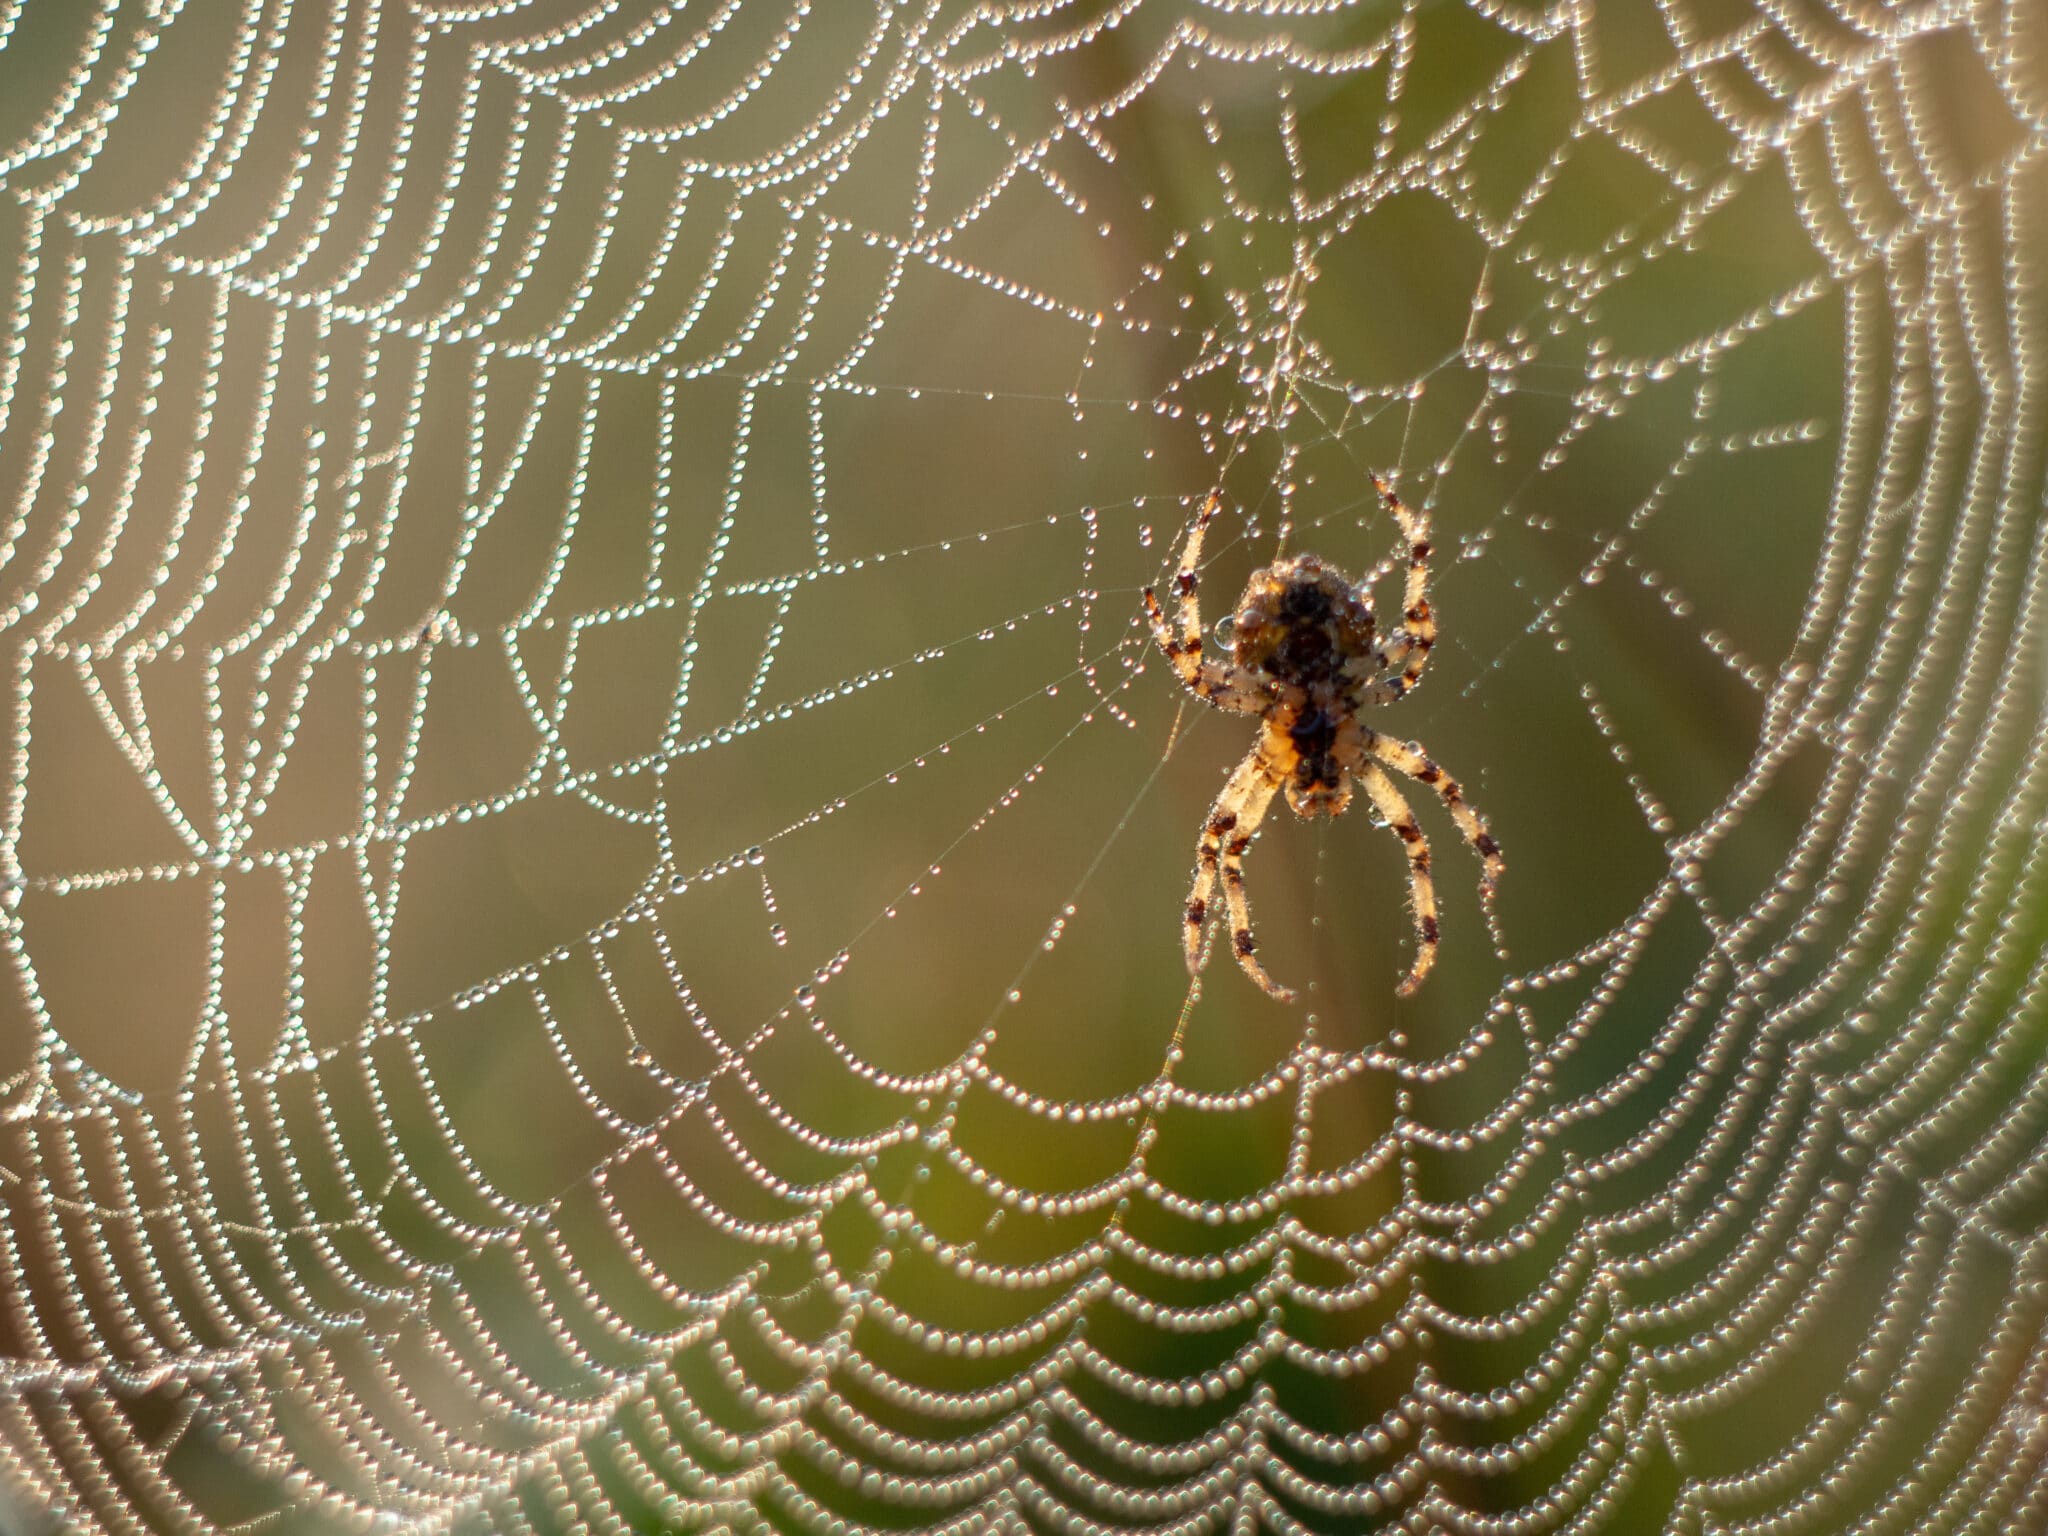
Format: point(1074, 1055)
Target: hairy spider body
point(1296, 628)
point(1306, 656)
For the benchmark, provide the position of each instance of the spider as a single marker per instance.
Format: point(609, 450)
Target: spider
point(1307, 657)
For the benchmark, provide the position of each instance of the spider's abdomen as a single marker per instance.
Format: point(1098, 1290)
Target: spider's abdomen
point(1301, 623)
point(1304, 657)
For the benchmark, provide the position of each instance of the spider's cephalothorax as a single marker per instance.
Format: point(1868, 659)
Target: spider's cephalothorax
point(1307, 657)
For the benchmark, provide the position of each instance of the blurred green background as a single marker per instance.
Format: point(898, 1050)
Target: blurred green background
point(681, 617)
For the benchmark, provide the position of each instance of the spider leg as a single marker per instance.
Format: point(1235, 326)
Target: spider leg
point(1232, 822)
point(1187, 578)
point(1398, 814)
point(1226, 686)
point(1222, 821)
point(1408, 647)
point(1241, 942)
point(1409, 758)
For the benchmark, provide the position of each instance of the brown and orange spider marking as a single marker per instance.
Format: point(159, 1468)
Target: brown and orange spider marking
point(1307, 657)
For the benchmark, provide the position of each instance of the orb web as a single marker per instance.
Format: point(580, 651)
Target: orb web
point(592, 835)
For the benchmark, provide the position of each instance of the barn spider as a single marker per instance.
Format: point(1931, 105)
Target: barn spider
point(1306, 657)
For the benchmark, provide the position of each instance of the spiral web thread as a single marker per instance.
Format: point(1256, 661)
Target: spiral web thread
point(1736, 1222)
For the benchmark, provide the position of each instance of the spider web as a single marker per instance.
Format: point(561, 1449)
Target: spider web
point(593, 840)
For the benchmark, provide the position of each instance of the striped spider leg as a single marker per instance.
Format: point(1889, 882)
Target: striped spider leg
point(1406, 652)
point(1238, 810)
point(1223, 684)
point(1407, 757)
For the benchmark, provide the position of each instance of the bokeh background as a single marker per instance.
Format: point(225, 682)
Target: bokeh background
point(594, 838)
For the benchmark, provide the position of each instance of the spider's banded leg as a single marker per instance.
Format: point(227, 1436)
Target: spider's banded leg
point(1228, 687)
point(1222, 821)
point(1186, 579)
point(1397, 813)
point(1409, 758)
point(1408, 647)
point(1241, 942)
point(1239, 810)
